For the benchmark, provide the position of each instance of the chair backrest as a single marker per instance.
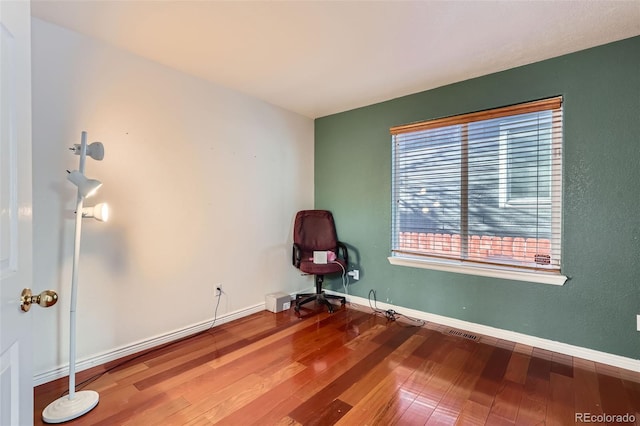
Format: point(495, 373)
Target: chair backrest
point(315, 230)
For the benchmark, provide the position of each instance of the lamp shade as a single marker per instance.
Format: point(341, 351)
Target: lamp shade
point(95, 150)
point(99, 212)
point(86, 187)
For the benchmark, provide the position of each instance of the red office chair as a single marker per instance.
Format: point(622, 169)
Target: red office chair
point(314, 230)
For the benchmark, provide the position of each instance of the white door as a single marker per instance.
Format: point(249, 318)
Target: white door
point(16, 376)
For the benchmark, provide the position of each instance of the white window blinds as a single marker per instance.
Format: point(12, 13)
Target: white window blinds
point(484, 187)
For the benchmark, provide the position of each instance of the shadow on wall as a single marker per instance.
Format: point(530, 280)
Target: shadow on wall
point(110, 245)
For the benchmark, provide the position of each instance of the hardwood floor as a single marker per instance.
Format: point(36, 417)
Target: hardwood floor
point(350, 368)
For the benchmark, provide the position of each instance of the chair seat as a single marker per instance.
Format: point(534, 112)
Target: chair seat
point(308, 267)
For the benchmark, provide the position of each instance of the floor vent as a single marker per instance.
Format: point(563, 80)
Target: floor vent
point(463, 334)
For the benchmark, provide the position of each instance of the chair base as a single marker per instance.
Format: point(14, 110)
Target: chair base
point(318, 296)
point(321, 298)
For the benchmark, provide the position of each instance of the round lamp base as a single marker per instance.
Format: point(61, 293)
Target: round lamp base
point(64, 409)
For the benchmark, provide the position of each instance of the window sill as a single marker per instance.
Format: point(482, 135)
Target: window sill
point(458, 267)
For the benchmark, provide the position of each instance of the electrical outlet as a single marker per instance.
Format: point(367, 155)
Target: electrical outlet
point(638, 322)
point(355, 274)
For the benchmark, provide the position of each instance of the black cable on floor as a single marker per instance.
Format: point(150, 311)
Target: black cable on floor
point(390, 314)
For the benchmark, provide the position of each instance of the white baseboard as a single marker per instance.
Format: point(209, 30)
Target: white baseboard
point(105, 357)
point(537, 342)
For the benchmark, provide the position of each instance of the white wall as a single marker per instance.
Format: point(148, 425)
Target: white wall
point(203, 184)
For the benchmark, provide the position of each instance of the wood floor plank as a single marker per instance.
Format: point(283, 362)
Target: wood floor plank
point(401, 399)
point(156, 414)
point(267, 339)
point(472, 414)
point(633, 393)
point(287, 421)
point(495, 420)
point(517, 368)
point(275, 415)
point(538, 377)
point(182, 373)
point(417, 387)
point(272, 405)
point(444, 384)
point(533, 405)
point(376, 399)
point(532, 411)
point(366, 338)
point(139, 403)
point(431, 380)
point(388, 341)
point(198, 421)
point(452, 402)
point(521, 348)
point(560, 409)
point(357, 392)
point(333, 372)
point(448, 400)
point(586, 392)
point(330, 414)
point(415, 409)
point(387, 403)
point(197, 344)
point(507, 401)
point(489, 382)
point(563, 367)
point(181, 364)
point(364, 348)
point(347, 368)
point(266, 359)
point(241, 397)
point(615, 400)
point(218, 402)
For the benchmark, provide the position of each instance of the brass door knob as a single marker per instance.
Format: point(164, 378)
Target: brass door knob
point(45, 299)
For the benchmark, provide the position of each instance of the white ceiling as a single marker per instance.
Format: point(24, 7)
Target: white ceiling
point(321, 57)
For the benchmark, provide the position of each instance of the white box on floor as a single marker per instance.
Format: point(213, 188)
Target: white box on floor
point(277, 302)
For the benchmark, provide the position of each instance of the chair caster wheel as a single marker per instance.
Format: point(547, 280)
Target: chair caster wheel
point(296, 308)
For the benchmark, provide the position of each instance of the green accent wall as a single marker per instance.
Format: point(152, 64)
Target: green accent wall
point(597, 306)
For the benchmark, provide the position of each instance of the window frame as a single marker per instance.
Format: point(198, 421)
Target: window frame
point(467, 265)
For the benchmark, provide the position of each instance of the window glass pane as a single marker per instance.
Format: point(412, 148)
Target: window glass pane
point(484, 170)
point(428, 181)
point(528, 144)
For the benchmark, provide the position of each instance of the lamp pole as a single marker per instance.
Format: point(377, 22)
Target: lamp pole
point(74, 275)
point(75, 404)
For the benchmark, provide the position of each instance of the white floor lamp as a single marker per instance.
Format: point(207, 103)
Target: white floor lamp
point(75, 404)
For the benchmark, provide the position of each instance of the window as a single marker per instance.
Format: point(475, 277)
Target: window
point(481, 190)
